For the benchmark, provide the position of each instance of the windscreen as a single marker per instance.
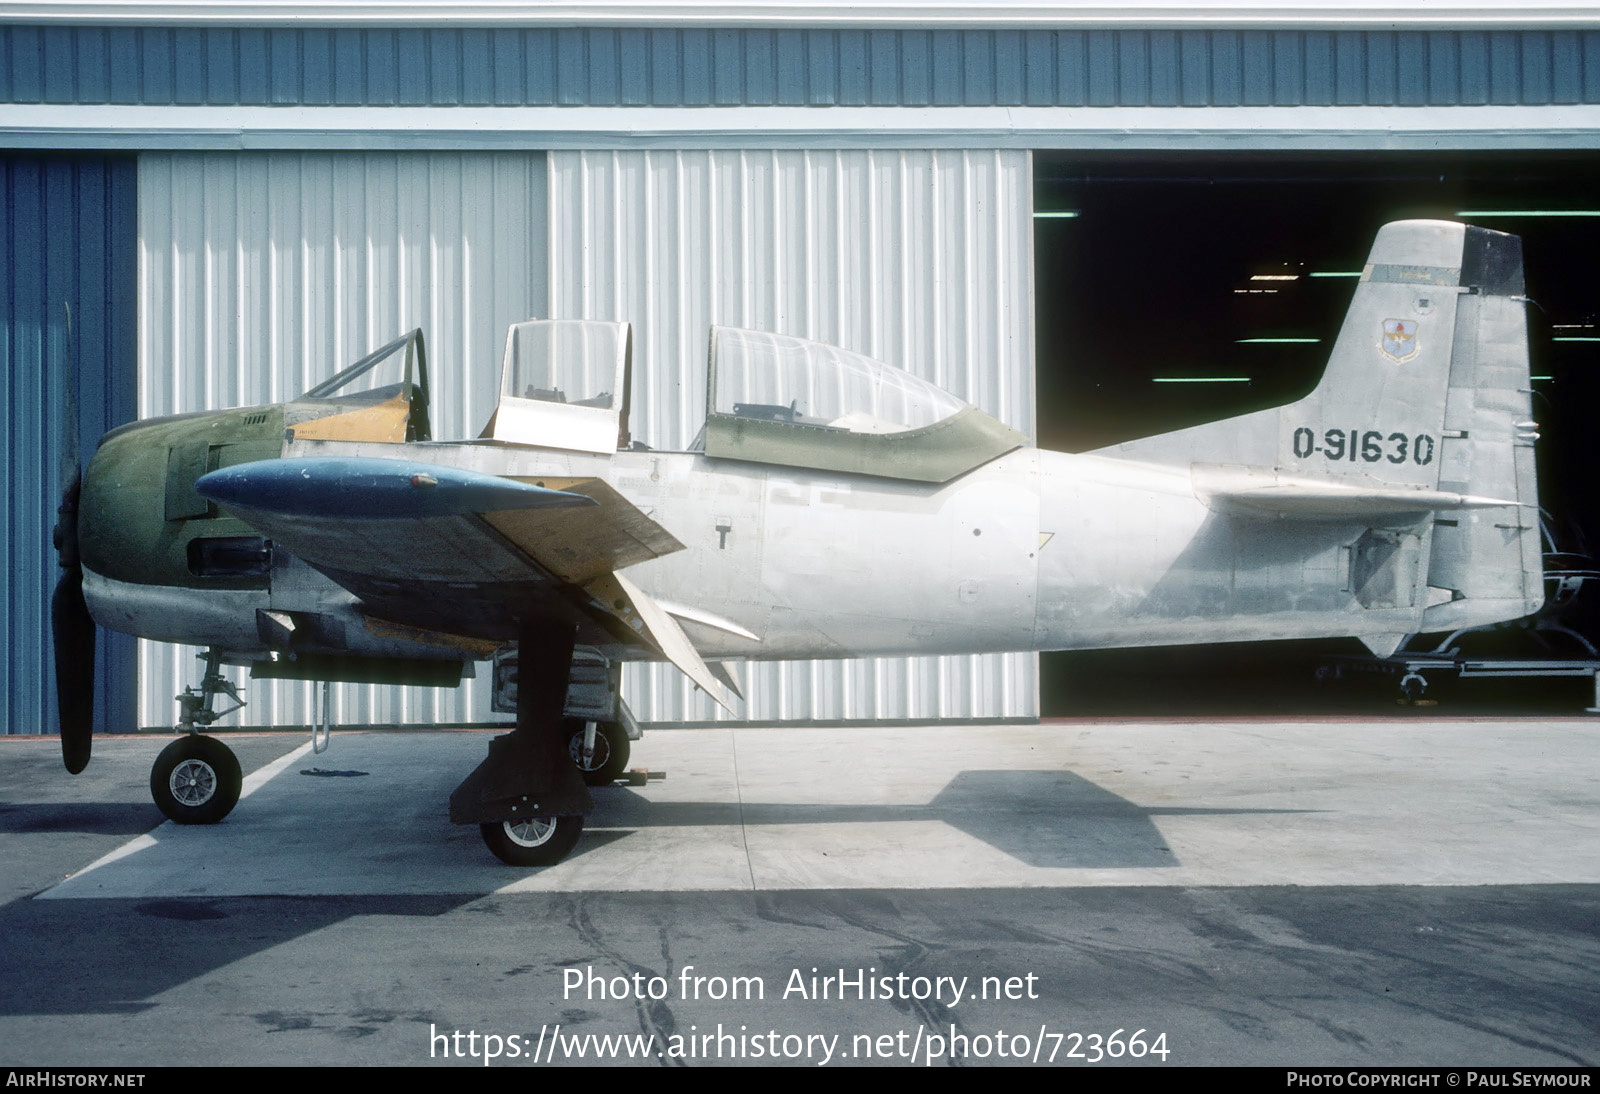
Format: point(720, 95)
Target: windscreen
point(573, 362)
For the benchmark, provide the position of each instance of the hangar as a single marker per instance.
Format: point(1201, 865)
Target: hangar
point(1063, 213)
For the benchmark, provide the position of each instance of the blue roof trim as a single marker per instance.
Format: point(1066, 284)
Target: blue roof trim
point(605, 66)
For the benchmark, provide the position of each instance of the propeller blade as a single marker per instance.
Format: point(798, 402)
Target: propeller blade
point(70, 623)
point(74, 648)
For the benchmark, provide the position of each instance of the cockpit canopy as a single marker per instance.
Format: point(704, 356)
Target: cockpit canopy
point(778, 399)
point(772, 398)
point(776, 378)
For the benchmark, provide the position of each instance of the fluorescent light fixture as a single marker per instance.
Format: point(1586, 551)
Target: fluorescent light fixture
point(1572, 326)
point(1056, 214)
point(1264, 341)
point(1575, 338)
point(1541, 377)
point(1528, 213)
point(1274, 277)
point(1200, 379)
point(1335, 273)
point(1253, 292)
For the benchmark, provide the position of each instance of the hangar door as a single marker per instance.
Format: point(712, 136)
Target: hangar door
point(922, 259)
point(261, 274)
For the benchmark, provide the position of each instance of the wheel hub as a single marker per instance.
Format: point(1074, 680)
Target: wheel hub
point(533, 832)
point(193, 782)
point(602, 752)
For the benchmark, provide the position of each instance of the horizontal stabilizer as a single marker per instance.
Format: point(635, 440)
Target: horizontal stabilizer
point(372, 489)
point(1246, 490)
point(1329, 502)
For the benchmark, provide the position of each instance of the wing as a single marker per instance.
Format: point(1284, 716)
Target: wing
point(461, 552)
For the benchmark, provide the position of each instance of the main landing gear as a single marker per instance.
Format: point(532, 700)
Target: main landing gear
point(528, 798)
point(197, 779)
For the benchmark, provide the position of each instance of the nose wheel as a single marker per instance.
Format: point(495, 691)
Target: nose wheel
point(196, 780)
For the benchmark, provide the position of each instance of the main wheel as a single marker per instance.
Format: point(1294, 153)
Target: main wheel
point(611, 748)
point(196, 780)
point(536, 841)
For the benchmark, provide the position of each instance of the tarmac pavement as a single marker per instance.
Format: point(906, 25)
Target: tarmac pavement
point(1320, 891)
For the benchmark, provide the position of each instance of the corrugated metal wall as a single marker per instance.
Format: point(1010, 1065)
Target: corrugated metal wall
point(802, 67)
point(875, 251)
point(261, 274)
point(68, 239)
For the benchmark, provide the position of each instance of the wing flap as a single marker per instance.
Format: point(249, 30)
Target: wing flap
point(580, 545)
point(625, 600)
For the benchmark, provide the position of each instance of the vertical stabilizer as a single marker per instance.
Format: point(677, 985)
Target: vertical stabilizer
point(1416, 446)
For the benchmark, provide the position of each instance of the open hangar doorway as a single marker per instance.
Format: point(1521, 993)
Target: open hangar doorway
point(1174, 290)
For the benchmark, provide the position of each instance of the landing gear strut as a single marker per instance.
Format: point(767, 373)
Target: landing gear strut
point(197, 779)
point(195, 707)
point(528, 798)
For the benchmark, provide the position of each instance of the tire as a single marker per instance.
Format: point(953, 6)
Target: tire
point(537, 841)
point(196, 780)
point(611, 750)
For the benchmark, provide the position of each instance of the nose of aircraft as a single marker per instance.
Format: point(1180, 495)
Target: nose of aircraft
point(139, 509)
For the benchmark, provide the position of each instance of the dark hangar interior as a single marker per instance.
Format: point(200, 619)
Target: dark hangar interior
point(1176, 290)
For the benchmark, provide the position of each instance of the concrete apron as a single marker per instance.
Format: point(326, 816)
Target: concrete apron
point(1065, 805)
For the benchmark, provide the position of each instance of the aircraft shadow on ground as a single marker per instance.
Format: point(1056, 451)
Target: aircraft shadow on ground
point(117, 956)
point(92, 818)
point(1041, 818)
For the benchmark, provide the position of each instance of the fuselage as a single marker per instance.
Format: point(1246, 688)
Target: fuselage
point(1034, 550)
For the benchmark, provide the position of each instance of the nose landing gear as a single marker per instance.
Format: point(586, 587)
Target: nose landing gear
point(197, 779)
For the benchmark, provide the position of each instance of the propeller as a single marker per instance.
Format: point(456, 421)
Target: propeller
point(70, 623)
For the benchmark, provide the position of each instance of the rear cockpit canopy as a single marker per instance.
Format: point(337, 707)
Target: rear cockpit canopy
point(777, 399)
point(778, 378)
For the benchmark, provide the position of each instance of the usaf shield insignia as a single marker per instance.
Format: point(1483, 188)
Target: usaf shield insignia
point(1399, 339)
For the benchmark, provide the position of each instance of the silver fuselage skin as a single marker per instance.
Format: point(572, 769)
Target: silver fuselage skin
point(1035, 550)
